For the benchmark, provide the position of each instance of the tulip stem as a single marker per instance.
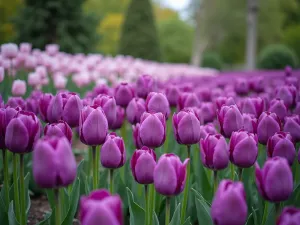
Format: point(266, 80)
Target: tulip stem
point(215, 180)
point(264, 219)
point(240, 173)
point(57, 208)
point(95, 168)
point(16, 185)
point(277, 209)
point(167, 219)
point(186, 189)
point(232, 171)
point(23, 220)
point(111, 180)
point(62, 200)
point(146, 205)
point(151, 203)
point(6, 177)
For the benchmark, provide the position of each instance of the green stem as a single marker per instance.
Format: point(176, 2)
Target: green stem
point(232, 171)
point(277, 210)
point(167, 218)
point(98, 163)
point(16, 185)
point(186, 189)
point(240, 173)
point(111, 180)
point(151, 203)
point(265, 214)
point(90, 166)
point(296, 173)
point(23, 220)
point(57, 208)
point(95, 169)
point(6, 177)
point(62, 201)
point(215, 180)
point(124, 136)
point(146, 205)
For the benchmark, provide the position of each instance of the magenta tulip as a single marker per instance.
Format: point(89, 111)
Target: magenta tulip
point(135, 109)
point(59, 129)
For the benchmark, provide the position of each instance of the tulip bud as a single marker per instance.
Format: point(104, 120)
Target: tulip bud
point(18, 88)
point(32, 105)
point(6, 114)
point(54, 164)
point(275, 173)
point(9, 50)
point(15, 102)
point(72, 106)
point(158, 102)
point(136, 136)
point(280, 144)
point(243, 149)
point(207, 112)
point(113, 152)
point(258, 84)
point(289, 216)
point(186, 127)
point(22, 132)
point(253, 106)
point(135, 109)
point(101, 208)
point(59, 129)
point(172, 93)
point(220, 101)
point(93, 126)
point(123, 94)
point(44, 105)
point(170, 175)
point(268, 125)
point(144, 85)
point(187, 100)
point(207, 129)
point(292, 126)
point(230, 119)
point(204, 94)
point(142, 165)
point(214, 152)
point(241, 86)
point(109, 106)
point(230, 197)
point(288, 94)
point(119, 118)
point(277, 106)
point(101, 89)
point(250, 123)
point(152, 130)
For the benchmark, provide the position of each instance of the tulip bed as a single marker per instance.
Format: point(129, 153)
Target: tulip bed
point(183, 148)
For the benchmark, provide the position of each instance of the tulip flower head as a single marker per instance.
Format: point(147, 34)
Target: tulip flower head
point(268, 124)
point(292, 126)
point(123, 94)
point(119, 118)
point(158, 102)
point(249, 123)
point(135, 109)
point(144, 85)
point(289, 215)
point(277, 106)
point(6, 115)
point(18, 88)
point(59, 129)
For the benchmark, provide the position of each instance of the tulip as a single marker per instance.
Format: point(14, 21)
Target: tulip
point(101, 208)
point(25, 48)
point(250, 123)
point(123, 94)
point(253, 106)
point(187, 100)
point(289, 216)
point(268, 125)
point(109, 106)
point(32, 105)
point(204, 94)
point(152, 130)
point(292, 126)
point(243, 149)
point(275, 173)
point(9, 50)
point(44, 106)
point(258, 84)
point(18, 88)
point(297, 109)
point(288, 94)
point(54, 164)
point(1, 74)
point(101, 89)
point(72, 106)
point(172, 93)
point(15, 102)
point(230, 119)
point(6, 115)
point(207, 129)
point(207, 112)
point(144, 85)
point(55, 109)
point(241, 86)
point(220, 101)
point(59, 129)
point(135, 109)
point(214, 152)
point(186, 126)
point(288, 71)
point(230, 197)
point(277, 106)
point(119, 118)
point(52, 49)
point(158, 102)
point(280, 144)
point(136, 136)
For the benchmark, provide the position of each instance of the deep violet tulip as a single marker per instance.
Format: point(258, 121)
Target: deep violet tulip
point(123, 94)
point(268, 125)
point(292, 126)
point(250, 123)
point(59, 129)
point(158, 102)
point(119, 119)
point(277, 106)
point(135, 109)
point(144, 85)
point(289, 216)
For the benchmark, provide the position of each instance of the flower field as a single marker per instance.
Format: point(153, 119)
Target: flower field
point(124, 141)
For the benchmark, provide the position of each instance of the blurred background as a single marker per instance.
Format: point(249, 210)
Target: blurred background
point(226, 35)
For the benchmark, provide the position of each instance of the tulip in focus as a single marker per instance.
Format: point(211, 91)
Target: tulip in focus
point(249, 123)
point(6, 115)
point(253, 106)
point(268, 125)
point(59, 129)
point(123, 94)
point(119, 118)
point(44, 106)
point(289, 216)
point(18, 88)
point(158, 102)
point(135, 109)
point(207, 129)
point(187, 100)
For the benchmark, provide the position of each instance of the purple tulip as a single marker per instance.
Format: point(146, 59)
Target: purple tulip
point(277, 106)
point(172, 93)
point(230, 197)
point(59, 129)
point(204, 94)
point(257, 84)
point(142, 165)
point(55, 109)
point(158, 102)
point(109, 106)
point(144, 85)
point(22, 132)
point(53, 163)
point(250, 123)
point(72, 106)
point(170, 175)
point(152, 130)
point(101, 89)
point(123, 94)
point(288, 71)
point(32, 105)
point(292, 126)
point(207, 112)
point(230, 120)
point(101, 208)
point(113, 152)
point(6, 115)
point(214, 152)
point(288, 94)
point(15, 102)
point(187, 100)
point(44, 105)
point(297, 109)
point(207, 129)
point(119, 118)
point(135, 109)
point(289, 216)
point(275, 180)
point(241, 86)
point(220, 101)
point(268, 125)
point(253, 106)
point(280, 144)
point(186, 127)
point(136, 136)
point(93, 126)
point(243, 149)
point(9, 50)
point(292, 81)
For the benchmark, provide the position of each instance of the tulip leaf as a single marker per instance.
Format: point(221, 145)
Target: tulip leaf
point(295, 197)
point(12, 220)
point(45, 221)
point(137, 213)
point(271, 215)
point(51, 198)
point(176, 216)
point(203, 212)
point(199, 196)
point(254, 216)
point(187, 221)
point(155, 219)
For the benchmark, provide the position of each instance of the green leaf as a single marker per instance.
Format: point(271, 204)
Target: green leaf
point(176, 216)
point(271, 215)
point(45, 221)
point(155, 219)
point(295, 197)
point(187, 221)
point(12, 220)
point(51, 198)
point(254, 216)
point(137, 213)
point(203, 212)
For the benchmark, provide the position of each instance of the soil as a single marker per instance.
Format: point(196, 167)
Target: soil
point(39, 207)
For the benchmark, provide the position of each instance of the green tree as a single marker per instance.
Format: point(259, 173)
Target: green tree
point(139, 37)
point(57, 21)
